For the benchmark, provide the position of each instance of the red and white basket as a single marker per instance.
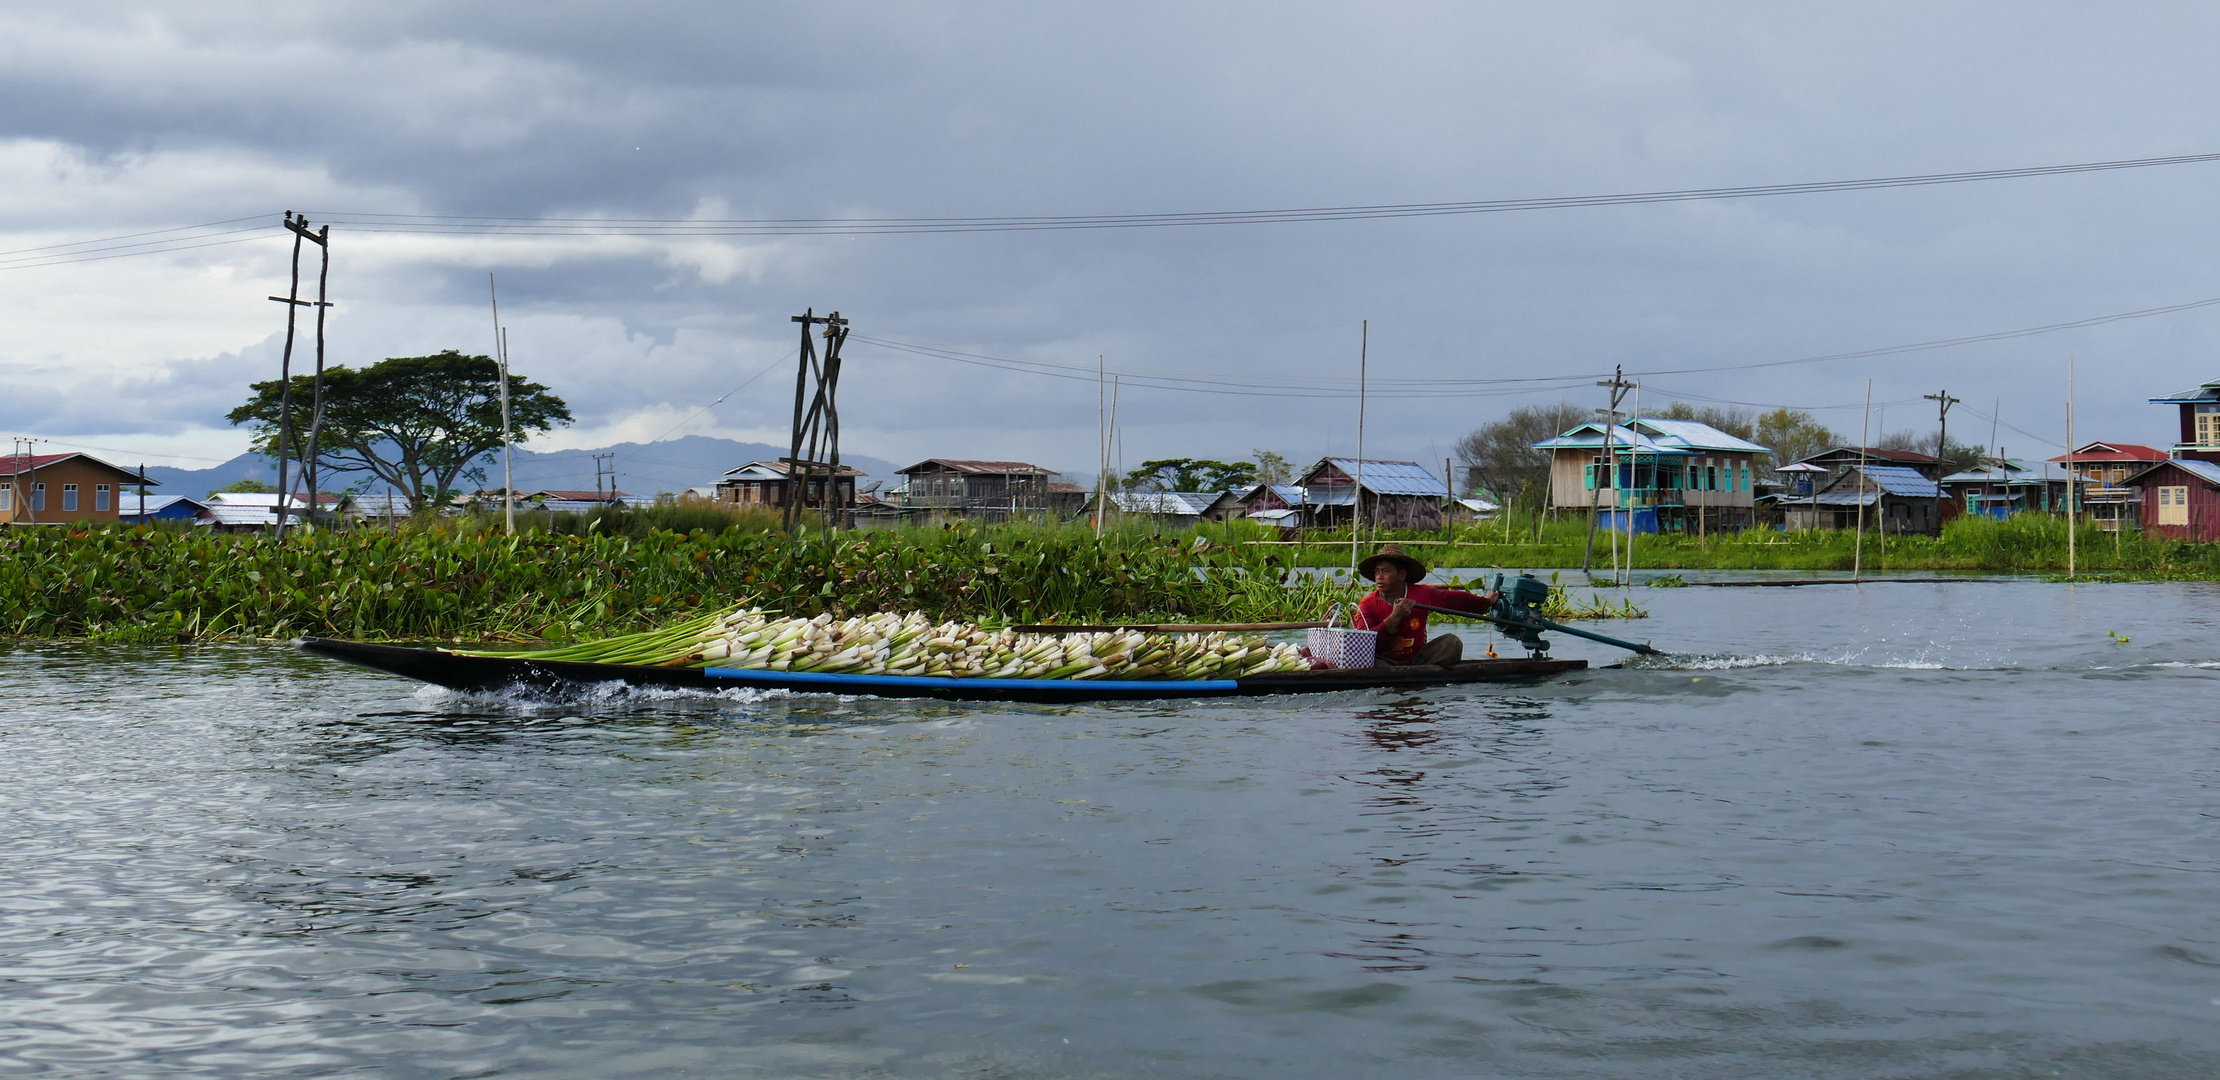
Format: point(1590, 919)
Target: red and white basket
point(1342, 646)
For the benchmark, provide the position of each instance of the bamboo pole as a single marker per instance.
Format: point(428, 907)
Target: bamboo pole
point(2070, 519)
point(1865, 435)
point(1356, 505)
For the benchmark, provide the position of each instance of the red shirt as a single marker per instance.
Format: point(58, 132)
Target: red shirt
point(1374, 610)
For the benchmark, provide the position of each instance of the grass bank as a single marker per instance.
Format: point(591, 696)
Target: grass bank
point(2028, 544)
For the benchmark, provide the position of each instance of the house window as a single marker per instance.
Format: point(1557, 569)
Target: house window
point(38, 497)
point(2208, 424)
point(1711, 478)
point(100, 496)
point(69, 498)
point(7, 498)
point(2173, 506)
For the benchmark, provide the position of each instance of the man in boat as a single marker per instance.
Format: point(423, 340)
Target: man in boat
point(1393, 610)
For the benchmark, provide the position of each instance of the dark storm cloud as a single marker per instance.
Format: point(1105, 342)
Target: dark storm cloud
point(664, 110)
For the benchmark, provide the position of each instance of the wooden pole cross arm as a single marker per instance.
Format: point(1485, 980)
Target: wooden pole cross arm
point(302, 303)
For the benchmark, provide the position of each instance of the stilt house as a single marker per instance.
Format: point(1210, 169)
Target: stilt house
point(1394, 495)
point(2180, 500)
point(1664, 475)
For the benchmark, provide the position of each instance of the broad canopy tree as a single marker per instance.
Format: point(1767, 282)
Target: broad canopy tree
point(419, 423)
point(1191, 474)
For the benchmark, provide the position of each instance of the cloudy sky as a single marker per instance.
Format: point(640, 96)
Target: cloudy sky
point(122, 119)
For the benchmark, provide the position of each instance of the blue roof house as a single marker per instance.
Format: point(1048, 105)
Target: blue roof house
point(1888, 498)
point(1655, 475)
point(1394, 494)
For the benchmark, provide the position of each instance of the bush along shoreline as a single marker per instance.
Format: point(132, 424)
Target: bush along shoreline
point(438, 583)
point(464, 581)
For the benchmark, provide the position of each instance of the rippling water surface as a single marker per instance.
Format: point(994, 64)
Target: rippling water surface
point(1905, 830)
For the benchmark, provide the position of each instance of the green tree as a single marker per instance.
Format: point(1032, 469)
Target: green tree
point(247, 486)
point(1500, 456)
point(1956, 457)
point(419, 423)
point(1272, 468)
point(1191, 474)
point(1793, 434)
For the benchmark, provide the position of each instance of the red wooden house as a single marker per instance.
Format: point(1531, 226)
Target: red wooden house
point(2181, 500)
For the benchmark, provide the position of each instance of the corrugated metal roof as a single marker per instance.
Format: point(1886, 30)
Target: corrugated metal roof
point(775, 470)
point(1692, 435)
point(1897, 480)
point(2207, 392)
point(2013, 471)
point(128, 504)
point(1184, 503)
point(9, 463)
point(970, 465)
point(1338, 495)
point(1589, 436)
point(2118, 451)
point(1393, 477)
point(2202, 470)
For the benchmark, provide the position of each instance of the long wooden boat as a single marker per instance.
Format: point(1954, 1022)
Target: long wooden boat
point(460, 672)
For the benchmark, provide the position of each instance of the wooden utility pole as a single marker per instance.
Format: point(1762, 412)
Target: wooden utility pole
point(1619, 386)
point(298, 224)
point(501, 360)
point(817, 425)
point(1943, 402)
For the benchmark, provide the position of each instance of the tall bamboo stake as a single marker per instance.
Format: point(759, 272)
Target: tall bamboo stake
point(1102, 444)
point(1865, 435)
point(1356, 505)
point(2070, 520)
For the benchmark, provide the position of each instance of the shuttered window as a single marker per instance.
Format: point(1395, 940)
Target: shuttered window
point(2173, 506)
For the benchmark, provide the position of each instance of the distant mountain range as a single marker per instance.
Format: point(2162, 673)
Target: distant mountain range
point(642, 468)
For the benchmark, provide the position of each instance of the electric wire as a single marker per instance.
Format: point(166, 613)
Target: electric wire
point(560, 226)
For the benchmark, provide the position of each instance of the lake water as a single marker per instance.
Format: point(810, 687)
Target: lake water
point(1955, 830)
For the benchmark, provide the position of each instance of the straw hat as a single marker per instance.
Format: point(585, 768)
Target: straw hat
point(1413, 569)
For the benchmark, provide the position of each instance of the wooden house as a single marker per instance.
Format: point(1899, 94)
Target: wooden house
point(2180, 499)
point(1655, 475)
point(984, 490)
point(2200, 422)
point(1394, 494)
point(1840, 458)
point(2101, 472)
point(52, 489)
point(2003, 487)
point(1894, 498)
point(766, 483)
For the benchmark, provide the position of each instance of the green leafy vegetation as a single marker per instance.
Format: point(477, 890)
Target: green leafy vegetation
point(466, 581)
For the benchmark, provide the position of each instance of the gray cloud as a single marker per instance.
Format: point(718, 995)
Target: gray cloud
point(868, 110)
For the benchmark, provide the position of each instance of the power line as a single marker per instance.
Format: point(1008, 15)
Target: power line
point(562, 226)
point(1254, 384)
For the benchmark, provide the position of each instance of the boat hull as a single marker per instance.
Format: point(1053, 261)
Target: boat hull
point(459, 672)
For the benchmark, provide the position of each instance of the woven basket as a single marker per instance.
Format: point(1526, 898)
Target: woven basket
point(1343, 647)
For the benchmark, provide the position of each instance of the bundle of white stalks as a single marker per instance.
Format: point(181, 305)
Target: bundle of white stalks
point(893, 644)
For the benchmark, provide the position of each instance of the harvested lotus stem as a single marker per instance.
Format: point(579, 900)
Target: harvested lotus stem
point(895, 644)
